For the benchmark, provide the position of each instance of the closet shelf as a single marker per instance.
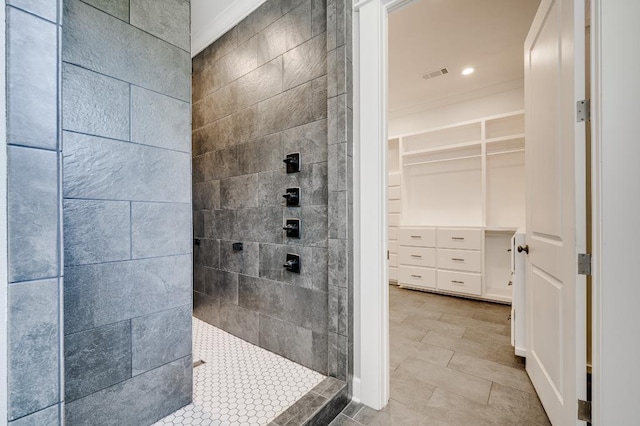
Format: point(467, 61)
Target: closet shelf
point(441, 160)
point(443, 148)
point(509, 151)
point(505, 138)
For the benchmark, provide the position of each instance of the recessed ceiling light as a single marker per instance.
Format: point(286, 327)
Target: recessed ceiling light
point(468, 71)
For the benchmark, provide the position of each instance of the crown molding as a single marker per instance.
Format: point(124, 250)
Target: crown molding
point(235, 12)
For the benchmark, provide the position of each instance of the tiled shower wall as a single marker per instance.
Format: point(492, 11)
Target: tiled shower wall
point(277, 83)
point(260, 92)
point(34, 215)
point(127, 210)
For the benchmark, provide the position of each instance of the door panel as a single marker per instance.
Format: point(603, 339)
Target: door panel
point(556, 230)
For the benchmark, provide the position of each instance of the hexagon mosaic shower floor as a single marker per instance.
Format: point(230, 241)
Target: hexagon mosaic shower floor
point(239, 383)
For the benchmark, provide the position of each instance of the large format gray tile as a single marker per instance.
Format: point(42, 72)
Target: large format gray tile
point(216, 105)
point(206, 308)
point(160, 120)
point(116, 8)
point(261, 18)
point(312, 181)
point(245, 262)
point(160, 338)
point(260, 84)
point(49, 416)
point(461, 411)
point(306, 308)
point(160, 229)
point(32, 106)
point(239, 321)
point(493, 371)
point(239, 192)
point(286, 110)
point(394, 414)
point(168, 20)
point(261, 155)
point(518, 406)
point(237, 128)
point(206, 195)
point(313, 228)
point(260, 295)
point(260, 224)
point(105, 293)
point(96, 359)
point(94, 104)
point(106, 169)
point(99, 42)
point(463, 384)
point(286, 339)
point(33, 344)
point(156, 393)
point(207, 253)
point(310, 140)
point(221, 285)
point(305, 63)
point(96, 231)
point(220, 224)
point(32, 213)
point(45, 9)
point(408, 390)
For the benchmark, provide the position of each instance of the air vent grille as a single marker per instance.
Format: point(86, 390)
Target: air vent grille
point(435, 73)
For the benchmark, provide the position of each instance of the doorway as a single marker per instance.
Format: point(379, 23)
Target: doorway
point(372, 105)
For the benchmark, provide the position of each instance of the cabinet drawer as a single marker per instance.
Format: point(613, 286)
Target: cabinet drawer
point(393, 274)
point(394, 179)
point(393, 219)
point(393, 260)
point(417, 256)
point(393, 246)
point(460, 260)
point(460, 238)
point(394, 206)
point(394, 193)
point(393, 233)
point(417, 237)
point(417, 277)
point(460, 282)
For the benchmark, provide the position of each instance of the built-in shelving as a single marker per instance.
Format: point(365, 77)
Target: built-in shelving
point(468, 174)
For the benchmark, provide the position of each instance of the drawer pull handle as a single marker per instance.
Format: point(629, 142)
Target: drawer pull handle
point(457, 259)
point(416, 236)
point(416, 276)
point(415, 255)
point(457, 282)
point(458, 238)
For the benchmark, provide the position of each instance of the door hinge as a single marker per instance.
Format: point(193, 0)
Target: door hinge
point(584, 410)
point(388, 257)
point(583, 110)
point(584, 264)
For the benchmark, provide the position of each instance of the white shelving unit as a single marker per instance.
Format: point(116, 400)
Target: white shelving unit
point(468, 175)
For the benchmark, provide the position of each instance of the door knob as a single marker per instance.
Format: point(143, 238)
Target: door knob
point(524, 248)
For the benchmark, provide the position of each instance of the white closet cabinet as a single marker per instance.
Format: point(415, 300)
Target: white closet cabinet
point(457, 195)
point(394, 208)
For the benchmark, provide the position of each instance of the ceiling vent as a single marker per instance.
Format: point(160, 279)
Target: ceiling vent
point(435, 73)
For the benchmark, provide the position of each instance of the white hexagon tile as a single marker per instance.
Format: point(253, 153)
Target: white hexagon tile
point(239, 383)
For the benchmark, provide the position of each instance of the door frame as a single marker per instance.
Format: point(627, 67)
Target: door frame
point(4, 275)
point(371, 293)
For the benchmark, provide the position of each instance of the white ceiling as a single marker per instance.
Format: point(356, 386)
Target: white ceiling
point(430, 34)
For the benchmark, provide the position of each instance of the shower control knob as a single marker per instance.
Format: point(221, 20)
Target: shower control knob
point(292, 263)
point(293, 162)
point(292, 227)
point(293, 197)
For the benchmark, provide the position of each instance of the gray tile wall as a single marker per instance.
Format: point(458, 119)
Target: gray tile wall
point(34, 213)
point(127, 210)
point(340, 182)
point(260, 92)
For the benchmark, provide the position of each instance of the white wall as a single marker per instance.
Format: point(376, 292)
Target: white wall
point(210, 19)
point(510, 100)
point(3, 231)
point(617, 186)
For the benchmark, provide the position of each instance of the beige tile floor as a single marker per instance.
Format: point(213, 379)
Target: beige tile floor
point(451, 364)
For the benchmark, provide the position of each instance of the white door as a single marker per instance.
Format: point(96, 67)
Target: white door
point(556, 227)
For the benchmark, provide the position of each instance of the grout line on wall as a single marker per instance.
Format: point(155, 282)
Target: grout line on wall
point(136, 27)
point(123, 201)
point(125, 81)
point(125, 141)
point(11, 6)
point(122, 261)
point(130, 230)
